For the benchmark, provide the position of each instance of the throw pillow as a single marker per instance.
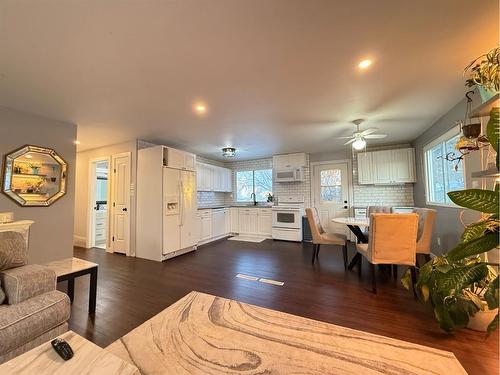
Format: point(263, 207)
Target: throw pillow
point(13, 250)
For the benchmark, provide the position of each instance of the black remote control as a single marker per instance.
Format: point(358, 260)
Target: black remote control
point(62, 348)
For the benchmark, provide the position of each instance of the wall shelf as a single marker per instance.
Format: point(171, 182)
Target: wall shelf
point(28, 175)
point(488, 173)
point(485, 108)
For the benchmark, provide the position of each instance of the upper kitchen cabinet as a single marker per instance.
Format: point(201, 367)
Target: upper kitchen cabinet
point(288, 161)
point(213, 178)
point(387, 167)
point(179, 159)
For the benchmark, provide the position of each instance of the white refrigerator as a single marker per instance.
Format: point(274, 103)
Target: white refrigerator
point(180, 229)
point(166, 224)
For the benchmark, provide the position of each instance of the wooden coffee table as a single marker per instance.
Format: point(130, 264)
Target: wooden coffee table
point(88, 358)
point(70, 268)
point(204, 334)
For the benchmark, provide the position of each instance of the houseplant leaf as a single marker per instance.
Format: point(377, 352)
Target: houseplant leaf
point(458, 278)
point(493, 128)
point(474, 231)
point(476, 199)
point(491, 294)
point(474, 247)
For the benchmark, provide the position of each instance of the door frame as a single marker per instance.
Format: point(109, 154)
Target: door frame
point(350, 180)
point(90, 237)
point(111, 188)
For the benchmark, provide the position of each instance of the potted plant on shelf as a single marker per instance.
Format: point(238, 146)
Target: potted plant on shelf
point(461, 285)
point(483, 72)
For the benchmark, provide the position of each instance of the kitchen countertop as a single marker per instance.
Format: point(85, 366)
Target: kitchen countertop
point(233, 206)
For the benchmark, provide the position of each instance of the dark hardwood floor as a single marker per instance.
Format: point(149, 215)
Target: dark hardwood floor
point(132, 290)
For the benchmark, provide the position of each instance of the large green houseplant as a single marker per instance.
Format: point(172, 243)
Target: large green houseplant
point(460, 283)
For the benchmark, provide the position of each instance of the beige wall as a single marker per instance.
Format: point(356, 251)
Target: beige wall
point(82, 208)
point(52, 233)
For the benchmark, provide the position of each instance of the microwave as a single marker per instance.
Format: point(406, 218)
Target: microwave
point(289, 175)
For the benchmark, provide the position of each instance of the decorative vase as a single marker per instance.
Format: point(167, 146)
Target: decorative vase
point(481, 320)
point(472, 131)
point(485, 93)
point(34, 170)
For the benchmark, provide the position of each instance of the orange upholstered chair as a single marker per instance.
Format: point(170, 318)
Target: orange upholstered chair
point(426, 220)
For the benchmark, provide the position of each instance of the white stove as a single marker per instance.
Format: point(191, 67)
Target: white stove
point(287, 218)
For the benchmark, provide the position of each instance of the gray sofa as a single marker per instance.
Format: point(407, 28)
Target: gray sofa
point(32, 311)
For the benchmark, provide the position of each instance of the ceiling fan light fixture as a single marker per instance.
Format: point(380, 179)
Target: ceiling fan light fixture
point(228, 152)
point(359, 144)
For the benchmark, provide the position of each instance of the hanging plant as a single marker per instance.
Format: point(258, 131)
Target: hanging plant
point(483, 71)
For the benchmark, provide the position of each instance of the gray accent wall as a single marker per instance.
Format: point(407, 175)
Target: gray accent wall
point(448, 227)
point(51, 235)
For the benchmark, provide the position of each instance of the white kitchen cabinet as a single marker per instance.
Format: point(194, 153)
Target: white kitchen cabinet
point(178, 159)
point(213, 178)
point(227, 221)
point(248, 221)
point(265, 221)
point(365, 168)
point(382, 169)
point(288, 161)
point(403, 165)
point(234, 214)
point(387, 167)
point(206, 225)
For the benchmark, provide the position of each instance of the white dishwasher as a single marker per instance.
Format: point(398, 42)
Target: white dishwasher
point(218, 222)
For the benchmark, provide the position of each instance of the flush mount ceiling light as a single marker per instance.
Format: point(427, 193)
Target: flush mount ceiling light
point(228, 152)
point(200, 108)
point(364, 64)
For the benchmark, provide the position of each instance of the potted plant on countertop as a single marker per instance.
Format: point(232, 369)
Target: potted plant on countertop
point(461, 285)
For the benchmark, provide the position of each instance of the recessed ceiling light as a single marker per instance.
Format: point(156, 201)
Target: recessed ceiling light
point(76, 142)
point(364, 64)
point(228, 152)
point(200, 108)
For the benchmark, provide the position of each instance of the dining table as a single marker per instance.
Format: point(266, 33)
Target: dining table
point(355, 224)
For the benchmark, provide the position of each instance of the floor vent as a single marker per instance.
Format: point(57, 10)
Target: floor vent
point(260, 279)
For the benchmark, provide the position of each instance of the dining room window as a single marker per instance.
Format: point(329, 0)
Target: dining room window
point(441, 175)
point(258, 181)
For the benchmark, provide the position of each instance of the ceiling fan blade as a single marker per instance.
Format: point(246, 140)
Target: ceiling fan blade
point(369, 131)
point(375, 136)
point(349, 137)
point(349, 142)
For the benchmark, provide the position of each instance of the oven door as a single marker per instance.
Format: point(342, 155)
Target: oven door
point(286, 218)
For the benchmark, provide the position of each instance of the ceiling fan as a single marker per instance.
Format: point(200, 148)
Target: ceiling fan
point(358, 138)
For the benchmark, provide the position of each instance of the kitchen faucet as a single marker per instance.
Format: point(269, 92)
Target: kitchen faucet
point(254, 199)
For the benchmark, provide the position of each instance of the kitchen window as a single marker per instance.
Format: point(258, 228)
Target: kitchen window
point(441, 176)
point(258, 181)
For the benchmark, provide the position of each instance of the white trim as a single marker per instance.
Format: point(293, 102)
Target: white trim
point(80, 241)
point(89, 238)
point(453, 132)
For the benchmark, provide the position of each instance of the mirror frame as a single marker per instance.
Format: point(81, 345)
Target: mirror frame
point(8, 161)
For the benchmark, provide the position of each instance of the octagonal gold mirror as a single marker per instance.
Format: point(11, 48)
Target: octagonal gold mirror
point(34, 176)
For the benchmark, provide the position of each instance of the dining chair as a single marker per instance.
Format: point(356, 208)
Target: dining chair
point(320, 237)
point(426, 220)
point(392, 240)
point(375, 210)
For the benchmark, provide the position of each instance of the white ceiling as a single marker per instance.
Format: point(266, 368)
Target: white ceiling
point(278, 76)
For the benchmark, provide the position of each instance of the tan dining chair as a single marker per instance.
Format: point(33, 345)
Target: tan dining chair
point(320, 237)
point(392, 240)
point(426, 220)
point(375, 210)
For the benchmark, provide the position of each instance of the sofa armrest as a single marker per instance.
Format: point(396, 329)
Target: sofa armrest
point(22, 283)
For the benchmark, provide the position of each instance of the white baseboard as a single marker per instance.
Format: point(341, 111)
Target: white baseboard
point(79, 241)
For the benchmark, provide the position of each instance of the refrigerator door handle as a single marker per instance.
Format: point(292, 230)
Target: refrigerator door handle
point(181, 203)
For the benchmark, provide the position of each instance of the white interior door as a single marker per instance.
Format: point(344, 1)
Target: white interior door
point(331, 194)
point(120, 240)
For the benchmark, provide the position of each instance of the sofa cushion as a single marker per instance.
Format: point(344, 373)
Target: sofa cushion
point(29, 319)
point(13, 250)
point(22, 283)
